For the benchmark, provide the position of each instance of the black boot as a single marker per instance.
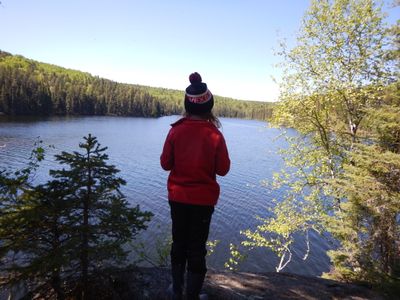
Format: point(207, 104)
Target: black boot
point(194, 283)
point(176, 288)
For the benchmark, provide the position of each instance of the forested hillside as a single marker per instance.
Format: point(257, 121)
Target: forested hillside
point(28, 87)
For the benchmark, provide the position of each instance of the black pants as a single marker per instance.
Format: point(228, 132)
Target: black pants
point(190, 227)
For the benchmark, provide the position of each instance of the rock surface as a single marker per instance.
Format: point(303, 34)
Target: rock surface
point(151, 283)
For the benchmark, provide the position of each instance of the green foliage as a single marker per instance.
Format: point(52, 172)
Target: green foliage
point(383, 123)
point(106, 223)
point(337, 69)
point(161, 257)
point(235, 259)
point(28, 87)
point(367, 224)
point(163, 249)
point(291, 218)
point(33, 238)
point(68, 228)
point(211, 245)
point(340, 93)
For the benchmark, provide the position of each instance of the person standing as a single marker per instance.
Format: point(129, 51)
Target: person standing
point(194, 152)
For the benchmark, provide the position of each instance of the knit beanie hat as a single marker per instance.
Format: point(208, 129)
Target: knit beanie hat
point(198, 98)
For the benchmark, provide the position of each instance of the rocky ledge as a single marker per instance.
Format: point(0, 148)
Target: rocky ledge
point(151, 283)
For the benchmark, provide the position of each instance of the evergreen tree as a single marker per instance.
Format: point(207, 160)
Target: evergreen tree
point(367, 224)
point(36, 236)
point(66, 229)
point(106, 221)
point(35, 224)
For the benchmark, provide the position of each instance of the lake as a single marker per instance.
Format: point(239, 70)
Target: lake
point(134, 146)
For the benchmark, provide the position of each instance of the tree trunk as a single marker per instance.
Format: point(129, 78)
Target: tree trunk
point(56, 285)
point(85, 237)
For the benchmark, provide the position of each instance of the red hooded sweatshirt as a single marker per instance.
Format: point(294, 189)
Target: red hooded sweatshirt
point(195, 152)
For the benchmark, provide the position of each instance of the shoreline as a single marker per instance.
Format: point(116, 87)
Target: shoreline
point(151, 283)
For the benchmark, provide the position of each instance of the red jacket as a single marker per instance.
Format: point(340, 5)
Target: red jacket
point(195, 152)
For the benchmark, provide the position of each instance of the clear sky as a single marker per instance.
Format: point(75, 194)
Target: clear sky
point(159, 42)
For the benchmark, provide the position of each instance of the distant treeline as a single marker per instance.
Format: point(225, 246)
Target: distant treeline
point(28, 87)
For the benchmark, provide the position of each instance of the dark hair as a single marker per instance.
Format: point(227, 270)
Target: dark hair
point(208, 116)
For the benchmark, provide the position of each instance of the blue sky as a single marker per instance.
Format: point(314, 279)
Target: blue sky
point(159, 42)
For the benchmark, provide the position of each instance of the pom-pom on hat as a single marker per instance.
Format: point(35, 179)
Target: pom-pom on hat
point(198, 98)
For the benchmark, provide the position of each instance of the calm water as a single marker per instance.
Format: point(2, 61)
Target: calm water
point(134, 146)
